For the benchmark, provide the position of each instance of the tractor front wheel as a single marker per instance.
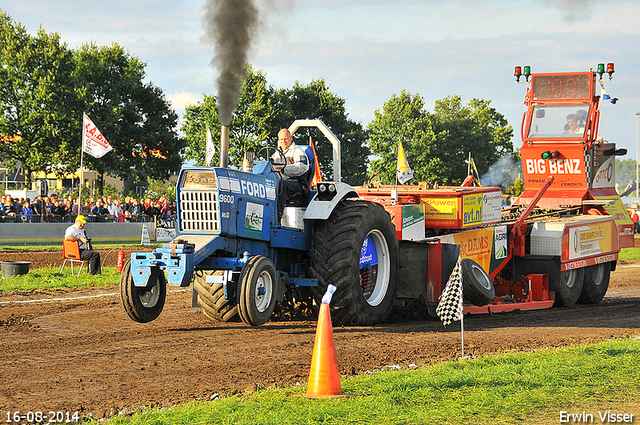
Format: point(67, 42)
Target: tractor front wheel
point(143, 303)
point(257, 291)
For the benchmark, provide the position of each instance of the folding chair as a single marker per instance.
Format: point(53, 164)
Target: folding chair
point(71, 252)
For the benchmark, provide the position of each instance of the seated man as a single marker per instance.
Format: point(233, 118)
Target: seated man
point(293, 172)
point(76, 233)
point(572, 126)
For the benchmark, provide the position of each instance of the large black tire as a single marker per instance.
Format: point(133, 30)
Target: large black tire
point(143, 304)
point(477, 288)
point(596, 283)
point(569, 288)
point(211, 299)
point(364, 295)
point(257, 291)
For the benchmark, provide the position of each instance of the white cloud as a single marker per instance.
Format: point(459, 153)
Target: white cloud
point(180, 100)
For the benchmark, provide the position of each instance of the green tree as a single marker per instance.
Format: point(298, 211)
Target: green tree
point(403, 119)
point(476, 129)
point(251, 125)
point(134, 116)
point(517, 188)
point(316, 101)
point(39, 106)
point(625, 174)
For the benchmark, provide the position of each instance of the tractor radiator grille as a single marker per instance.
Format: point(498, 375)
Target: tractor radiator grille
point(199, 211)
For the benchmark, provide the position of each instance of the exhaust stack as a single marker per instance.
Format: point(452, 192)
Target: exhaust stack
point(224, 146)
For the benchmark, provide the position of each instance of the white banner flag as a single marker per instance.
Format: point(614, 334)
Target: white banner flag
point(93, 142)
point(211, 149)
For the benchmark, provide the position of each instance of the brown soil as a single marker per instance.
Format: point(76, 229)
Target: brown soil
point(76, 350)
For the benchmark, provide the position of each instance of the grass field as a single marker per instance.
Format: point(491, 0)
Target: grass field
point(514, 388)
point(51, 279)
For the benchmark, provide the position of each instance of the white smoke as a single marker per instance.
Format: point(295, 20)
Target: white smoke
point(503, 173)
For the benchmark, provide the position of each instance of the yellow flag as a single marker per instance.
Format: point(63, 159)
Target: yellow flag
point(474, 170)
point(403, 172)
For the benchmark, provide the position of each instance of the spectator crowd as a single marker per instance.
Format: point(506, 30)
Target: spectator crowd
point(51, 209)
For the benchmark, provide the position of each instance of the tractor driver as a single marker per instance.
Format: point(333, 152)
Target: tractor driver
point(572, 126)
point(293, 172)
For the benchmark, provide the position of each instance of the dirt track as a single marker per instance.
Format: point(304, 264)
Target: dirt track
point(78, 351)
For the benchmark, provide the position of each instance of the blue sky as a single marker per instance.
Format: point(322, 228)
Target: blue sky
point(367, 50)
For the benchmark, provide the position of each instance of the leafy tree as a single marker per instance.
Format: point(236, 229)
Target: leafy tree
point(476, 129)
point(315, 101)
point(437, 144)
point(625, 173)
point(39, 107)
point(251, 124)
point(517, 188)
point(158, 188)
point(134, 116)
point(262, 112)
point(402, 119)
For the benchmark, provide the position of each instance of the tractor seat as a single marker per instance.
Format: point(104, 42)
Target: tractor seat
point(297, 200)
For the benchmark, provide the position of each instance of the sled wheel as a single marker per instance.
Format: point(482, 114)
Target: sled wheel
point(356, 250)
point(596, 283)
point(143, 304)
point(569, 288)
point(477, 287)
point(257, 291)
point(212, 301)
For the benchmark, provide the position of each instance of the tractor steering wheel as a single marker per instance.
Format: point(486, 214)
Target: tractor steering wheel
point(281, 162)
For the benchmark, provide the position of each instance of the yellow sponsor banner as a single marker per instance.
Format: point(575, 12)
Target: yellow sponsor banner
point(590, 239)
point(472, 210)
point(440, 208)
point(476, 244)
point(617, 210)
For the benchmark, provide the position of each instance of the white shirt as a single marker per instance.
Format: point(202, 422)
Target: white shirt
point(113, 210)
point(77, 233)
point(297, 161)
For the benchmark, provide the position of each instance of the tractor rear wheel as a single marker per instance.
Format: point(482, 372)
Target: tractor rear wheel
point(143, 303)
point(569, 288)
point(211, 298)
point(596, 283)
point(257, 291)
point(356, 250)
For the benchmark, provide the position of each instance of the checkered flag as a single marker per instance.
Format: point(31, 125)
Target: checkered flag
point(450, 305)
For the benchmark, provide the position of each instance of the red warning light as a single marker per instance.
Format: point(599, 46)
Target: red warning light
point(518, 73)
point(610, 68)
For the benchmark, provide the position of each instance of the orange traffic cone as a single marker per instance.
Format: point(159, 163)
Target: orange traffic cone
point(324, 378)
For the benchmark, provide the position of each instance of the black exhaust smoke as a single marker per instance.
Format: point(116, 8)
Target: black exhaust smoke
point(229, 25)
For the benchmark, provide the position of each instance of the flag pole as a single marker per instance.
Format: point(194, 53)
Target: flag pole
point(84, 129)
point(462, 321)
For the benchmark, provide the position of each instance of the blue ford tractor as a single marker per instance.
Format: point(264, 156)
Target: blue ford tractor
point(243, 260)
